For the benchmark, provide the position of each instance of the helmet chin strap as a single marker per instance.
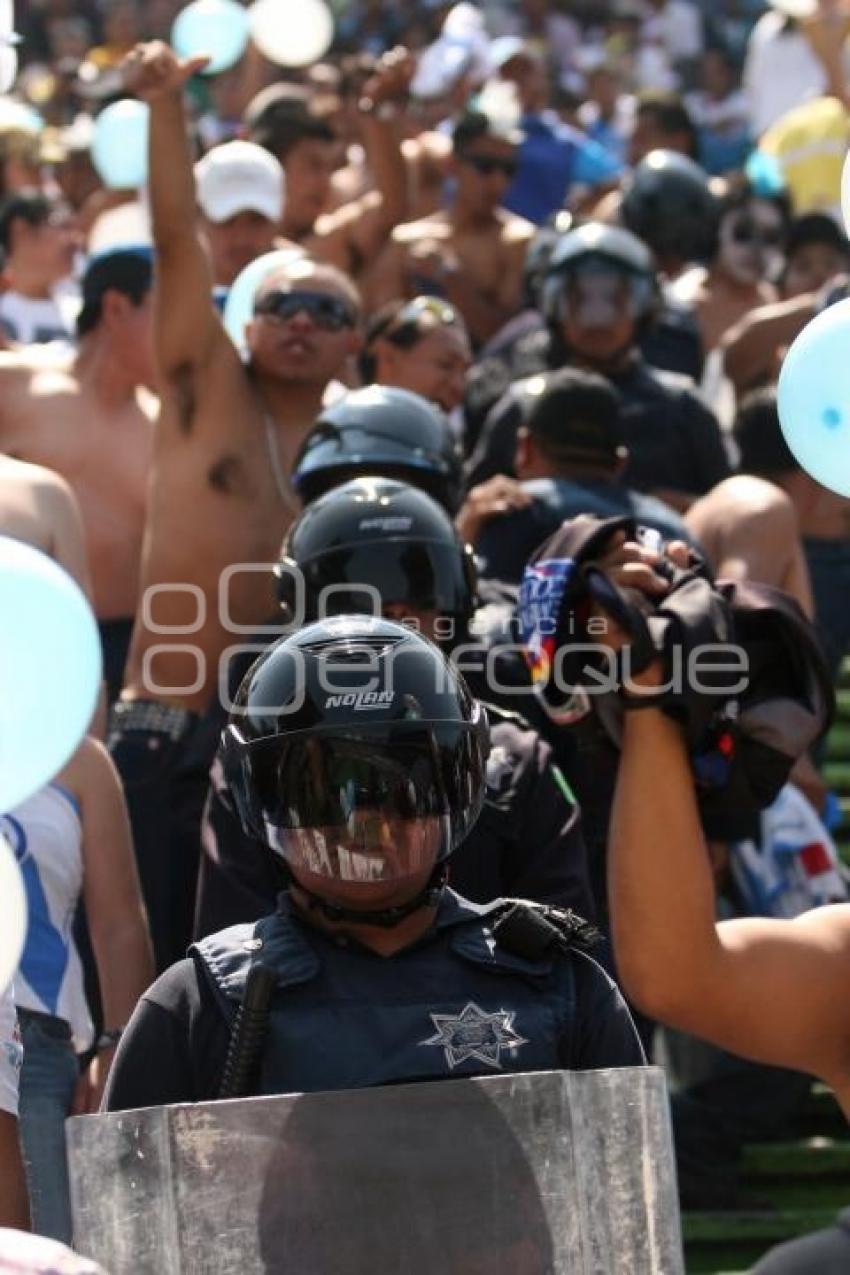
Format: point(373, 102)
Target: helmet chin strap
point(387, 918)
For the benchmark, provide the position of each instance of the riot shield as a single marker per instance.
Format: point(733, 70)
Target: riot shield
point(556, 1173)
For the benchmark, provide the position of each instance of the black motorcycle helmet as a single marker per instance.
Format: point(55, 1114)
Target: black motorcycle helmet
point(356, 752)
point(370, 542)
point(669, 204)
point(597, 246)
point(386, 431)
point(539, 255)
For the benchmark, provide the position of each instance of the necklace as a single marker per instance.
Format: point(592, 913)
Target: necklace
point(283, 484)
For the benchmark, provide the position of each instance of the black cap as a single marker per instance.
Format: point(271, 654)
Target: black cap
point(577, 418)
point(127, 269)
point(816, 228)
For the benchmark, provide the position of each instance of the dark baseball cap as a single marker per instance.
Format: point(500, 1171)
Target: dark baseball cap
point(575, 416)
point(127, 269)
point(815, 228)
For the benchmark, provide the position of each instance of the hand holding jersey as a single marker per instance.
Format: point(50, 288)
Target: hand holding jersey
point(761, 988)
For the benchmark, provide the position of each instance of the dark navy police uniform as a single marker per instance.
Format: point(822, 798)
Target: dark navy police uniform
point(454, 1004)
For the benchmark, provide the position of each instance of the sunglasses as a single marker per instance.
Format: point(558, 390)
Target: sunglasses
point(486, 165)
point(330, 313)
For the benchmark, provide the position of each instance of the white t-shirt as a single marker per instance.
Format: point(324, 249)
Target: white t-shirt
point(728, 115)
point(37, 320)
point(11, 1053)
point(678, 27)
point(781, 71)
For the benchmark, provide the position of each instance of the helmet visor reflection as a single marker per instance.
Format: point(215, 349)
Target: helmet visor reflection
point(596, 297)
point(420, 574)
point(373, 846)
point(375, 803)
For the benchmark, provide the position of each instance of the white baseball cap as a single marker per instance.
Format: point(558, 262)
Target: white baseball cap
point(239, 177)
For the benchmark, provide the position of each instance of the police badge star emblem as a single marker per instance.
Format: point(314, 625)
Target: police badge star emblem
point(473, 1033)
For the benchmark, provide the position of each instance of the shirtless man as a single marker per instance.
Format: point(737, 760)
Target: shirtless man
point(87, 414)
point(749, 246)
point(284, 120)
point(749, 531)
point(220, 496)
point(240, 203)
point(39, 508)
point(817, 259)
point(473, 253)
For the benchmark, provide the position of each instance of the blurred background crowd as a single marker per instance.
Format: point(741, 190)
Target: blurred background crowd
point(584, 231)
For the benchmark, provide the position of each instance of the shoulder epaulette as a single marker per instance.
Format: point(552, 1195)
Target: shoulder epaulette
point(534, 931)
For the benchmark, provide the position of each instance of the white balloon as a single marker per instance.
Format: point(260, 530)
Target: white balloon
point(291, 32)
point(845, 193)
point(13, 914)
point(8, 66)
point(7, 17)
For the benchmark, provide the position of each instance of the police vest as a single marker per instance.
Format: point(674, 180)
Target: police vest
point(454, 1004)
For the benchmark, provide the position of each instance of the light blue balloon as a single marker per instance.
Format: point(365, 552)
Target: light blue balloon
point(119, 148)
point(50, 669)
point(765, 175)
point(216, 27)
point(239, 306)
point(814, 398)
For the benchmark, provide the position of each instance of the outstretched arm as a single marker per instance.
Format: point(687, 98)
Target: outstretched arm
point(186, 323)
point(775, 991)
point(353, 235)
point(827, 31)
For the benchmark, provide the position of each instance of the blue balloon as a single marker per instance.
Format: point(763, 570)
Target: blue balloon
point(765, 175)
point(50, 669)
point(119, 148)
point(239, 306)
point(814, 398)
point(216, 27)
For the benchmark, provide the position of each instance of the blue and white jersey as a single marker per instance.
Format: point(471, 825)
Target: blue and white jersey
point(11, 1053)
point(45, 834)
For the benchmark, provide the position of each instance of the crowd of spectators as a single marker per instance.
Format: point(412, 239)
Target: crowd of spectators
point(582, 233)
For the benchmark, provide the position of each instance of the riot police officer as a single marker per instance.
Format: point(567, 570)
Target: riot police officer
point(384, 547)
point(600, 298)
point(357, 754)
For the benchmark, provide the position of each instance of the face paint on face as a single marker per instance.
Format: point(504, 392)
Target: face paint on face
point(751, 243)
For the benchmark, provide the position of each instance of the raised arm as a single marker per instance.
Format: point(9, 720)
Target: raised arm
point(351, 236)
point(186, 323)
point(774, 991)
